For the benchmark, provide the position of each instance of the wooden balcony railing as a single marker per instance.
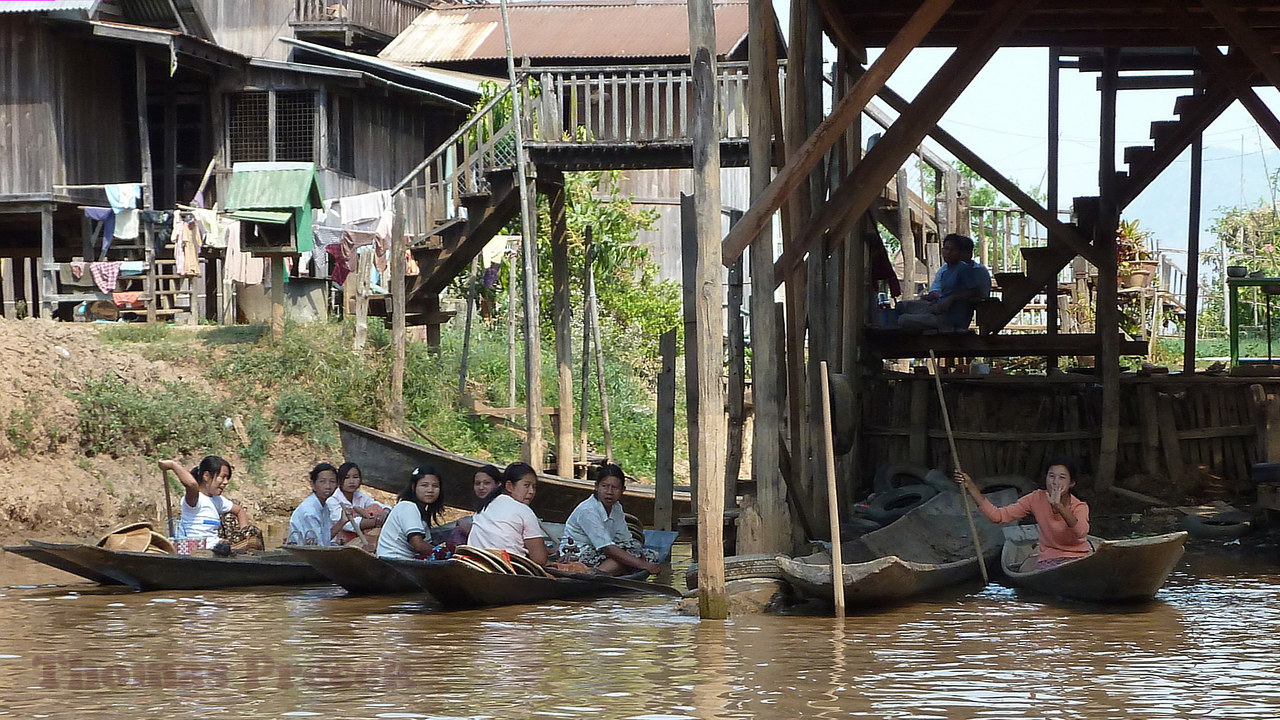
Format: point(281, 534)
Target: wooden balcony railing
point(635, 103)
point(384, 17)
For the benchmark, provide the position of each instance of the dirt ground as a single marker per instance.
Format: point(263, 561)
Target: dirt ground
point(50, 490)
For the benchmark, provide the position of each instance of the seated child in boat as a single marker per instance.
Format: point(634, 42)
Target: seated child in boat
point(482, 483)
point(317, 520)
point(204, 508)
point(597, 528)
point(1063, 517)
point(361, 506)
point(506, 522)
point(407, 532)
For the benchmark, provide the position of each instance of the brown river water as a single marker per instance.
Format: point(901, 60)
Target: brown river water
point(1208, 647)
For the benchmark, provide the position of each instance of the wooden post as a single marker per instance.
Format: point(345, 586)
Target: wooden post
point(466, 329)
point(688, 263)
point(44, 279)
point(511, 331)
point(833, 507)
point(737, 383)
point(561, 311)
point(1053, 171)
point(712, 598)
point(1193, 256)
point(586, 355)
point(593, 309)
point(1173, 462)
point(1150, 426)
point(277, 296)
point(7, 294)
point(398, 250)
point(1108, 312)
point(906, 236)
point(664, 464)
point(532, 341)
point(766, 398)
point(918, 440)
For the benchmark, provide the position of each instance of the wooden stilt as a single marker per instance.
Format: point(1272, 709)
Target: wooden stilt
point(1108, 320)
point(364, 261)
point(737, 383)
point(561, 312)
point(7, 294)
point(277, 295)
point(512, 284)
point(664, 465)
point(466, 328)
point(584, 400)
point(712, 598)
point(398, 251)
point(44, 279)
point(593, 309)
point(1193, 257)
point(833, 507)
point(688, 264)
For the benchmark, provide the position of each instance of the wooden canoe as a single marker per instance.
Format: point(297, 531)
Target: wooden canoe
point(163, 571)
point(385, 463)
point(1116, 571)
point(926, 549)
point(32, 552)
point(358, 572)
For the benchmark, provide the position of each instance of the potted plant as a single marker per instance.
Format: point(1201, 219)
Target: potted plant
point(1135, 265)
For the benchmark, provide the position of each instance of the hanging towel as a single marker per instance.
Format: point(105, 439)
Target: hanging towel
point(123, 196)
point(493, 251)
point(107, 217)
point(241, 266)
point(185, 252)
point(211, 228)
point(126, 225)
point(340, 268)
point(125, 299)
point(105, 275)
point(369, 206)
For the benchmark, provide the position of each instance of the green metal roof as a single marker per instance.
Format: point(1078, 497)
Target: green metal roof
point(273, 185)
point(278, 217)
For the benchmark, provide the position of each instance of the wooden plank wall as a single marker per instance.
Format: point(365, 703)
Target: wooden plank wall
point(249, 27)
point(62, 108)
point(1170, 427)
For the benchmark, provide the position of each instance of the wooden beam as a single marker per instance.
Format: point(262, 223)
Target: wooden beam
point(713, 601)
point(1193, 256)
point(1236, 81)
point(866, 182)
point(1254, 47)
point(1056, 228)
point(805, 158)
point(846, 37)
point(1107, 311)
point(553, 187)
point(766, 368)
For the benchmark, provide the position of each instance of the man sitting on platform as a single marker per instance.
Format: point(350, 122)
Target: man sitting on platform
point(960, 283)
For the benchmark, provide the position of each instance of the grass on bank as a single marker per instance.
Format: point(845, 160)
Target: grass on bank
point(301, 384)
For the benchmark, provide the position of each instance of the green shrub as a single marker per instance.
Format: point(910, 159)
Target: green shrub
point(117, 419)
point(301, 413)
point(134, 333)
point(259, 432)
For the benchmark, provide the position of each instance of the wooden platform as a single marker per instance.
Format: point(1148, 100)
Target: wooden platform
point(893, 343)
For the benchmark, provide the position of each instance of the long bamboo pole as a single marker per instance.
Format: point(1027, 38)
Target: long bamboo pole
point(833, 509)
point(955, 460)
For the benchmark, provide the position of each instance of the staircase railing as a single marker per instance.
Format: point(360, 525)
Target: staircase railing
point(457, 168)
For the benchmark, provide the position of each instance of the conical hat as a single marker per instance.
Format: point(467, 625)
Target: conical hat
point(524, 566)
point(488, 558)
point(160, 544)
point(134, 537)
point(471, 563)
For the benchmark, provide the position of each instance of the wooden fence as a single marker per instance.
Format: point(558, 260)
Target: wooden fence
point(1176, 428)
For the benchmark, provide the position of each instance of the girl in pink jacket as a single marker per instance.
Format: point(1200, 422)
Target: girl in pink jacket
point(1063, 517)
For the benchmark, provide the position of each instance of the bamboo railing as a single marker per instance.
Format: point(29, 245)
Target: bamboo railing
point(387, 17)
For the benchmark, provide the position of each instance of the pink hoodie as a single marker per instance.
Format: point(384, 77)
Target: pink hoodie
point(1056, 538)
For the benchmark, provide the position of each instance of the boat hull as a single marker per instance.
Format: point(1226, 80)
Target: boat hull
point(926, 549)
point(457, 586)
point(44, 556)
point(386, 461)
point(358, 572)
point(1116, 571)
point(162, 571)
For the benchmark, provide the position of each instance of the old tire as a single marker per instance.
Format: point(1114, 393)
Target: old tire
point(858, 526)
point(889, 506)
point(1003, 482)
point(1219, 526)
point(741, 567)
point(841, 414)
point(892, 476)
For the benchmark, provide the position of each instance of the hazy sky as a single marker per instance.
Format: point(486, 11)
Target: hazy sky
point(1002, 116)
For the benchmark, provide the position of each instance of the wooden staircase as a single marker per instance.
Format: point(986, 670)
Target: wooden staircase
point(1145, 163)
point(457, 200)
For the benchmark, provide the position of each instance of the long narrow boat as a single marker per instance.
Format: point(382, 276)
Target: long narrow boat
point(458, 586)
point(1116, 571)
point(358, 572)
point(386, 461)
point(164, 571)
point(926, 549)
point(32, 552)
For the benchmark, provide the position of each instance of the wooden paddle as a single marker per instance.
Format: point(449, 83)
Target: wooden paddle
point(955, 458)
point(168, 503)
point(641, 585)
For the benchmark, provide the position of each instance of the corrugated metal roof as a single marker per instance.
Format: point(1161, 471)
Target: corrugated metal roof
point(562, 29)
point(17, 6)
point(271, 185)
point(455, 80)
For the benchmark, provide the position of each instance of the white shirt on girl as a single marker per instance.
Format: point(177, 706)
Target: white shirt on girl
point(360, 501)
point(205, 519)
point(504, 525)
point(405, 520)
point(312, 523)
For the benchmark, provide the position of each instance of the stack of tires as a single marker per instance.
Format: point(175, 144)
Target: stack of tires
point(899, 488)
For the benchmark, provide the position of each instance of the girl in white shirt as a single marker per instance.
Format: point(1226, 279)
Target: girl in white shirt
point(407, 532)
point(506, 522)
point(370, 513)
point(203, 504)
